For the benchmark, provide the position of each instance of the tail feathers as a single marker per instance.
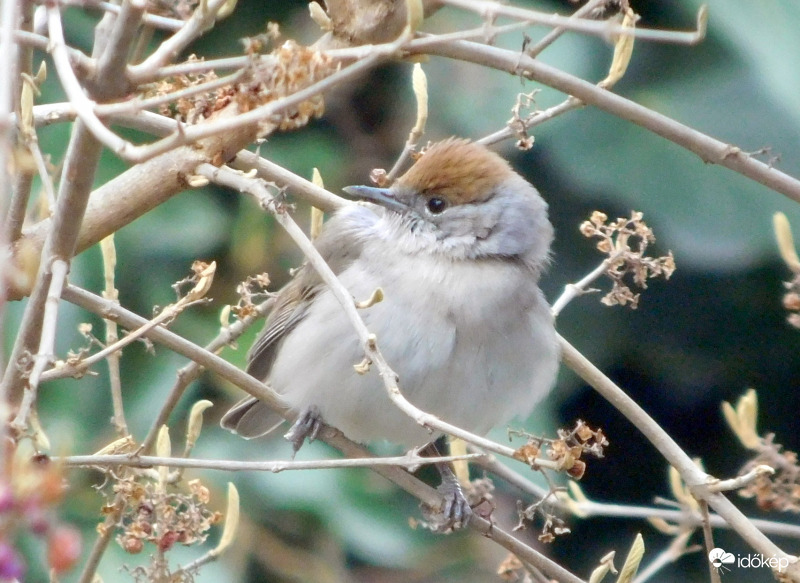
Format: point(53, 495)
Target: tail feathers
point(251, 418)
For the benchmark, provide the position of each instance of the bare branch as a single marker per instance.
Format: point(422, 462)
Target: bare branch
point(154, 20)
point(410, 461)
point(695, 478)
point(709, 150)
point(44, 356)
point(603, 29)
point(192, 371)
point(111, 80)
point(200, 22)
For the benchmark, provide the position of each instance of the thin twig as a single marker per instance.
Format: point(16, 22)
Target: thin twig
point(708, 540)
point(105, 532)
point(196, 67)
point(707, 148)
point(299, 186)
point(202, 20)
point(222, 125)
point(573, 290)
point(32, 142)
point(603, 29)
point(486, 33)
point(9, 72)
point(741, 481)
point(532, 120)
point(585, 508)
point(111, 293)
point(154, 20)
point(420, 85)
point(112, 63)
point(78, 368)
point(138, 104)
point(47, 340)
point(556, 33)
point(193, 370)
point(409, 461)
point(84, 107)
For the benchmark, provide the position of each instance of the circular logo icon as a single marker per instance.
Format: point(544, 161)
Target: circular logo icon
point(719, 557)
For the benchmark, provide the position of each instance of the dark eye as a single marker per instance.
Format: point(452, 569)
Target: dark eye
point(436, 205)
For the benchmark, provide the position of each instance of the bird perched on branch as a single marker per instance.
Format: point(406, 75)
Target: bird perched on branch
point(457, 244)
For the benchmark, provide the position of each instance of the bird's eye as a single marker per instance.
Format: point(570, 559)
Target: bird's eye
point(436, 205)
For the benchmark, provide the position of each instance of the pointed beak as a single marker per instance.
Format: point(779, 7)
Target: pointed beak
point(382, 196)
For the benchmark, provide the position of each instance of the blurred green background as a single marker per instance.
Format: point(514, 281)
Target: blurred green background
point(714, 330)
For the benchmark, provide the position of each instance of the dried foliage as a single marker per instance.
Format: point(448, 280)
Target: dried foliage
point(250, 291)
point(566, 450)
point(266, 79)
point(781, 490)
point(154, 515)
point(625, 241)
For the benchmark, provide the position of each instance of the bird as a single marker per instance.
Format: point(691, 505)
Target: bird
point(458, 245)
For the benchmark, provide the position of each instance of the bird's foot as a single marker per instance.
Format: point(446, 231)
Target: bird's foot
point(455, 512)
point(307, 425)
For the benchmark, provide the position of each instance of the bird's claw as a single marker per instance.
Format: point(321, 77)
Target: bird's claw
point(307, 425)
point(456, 511)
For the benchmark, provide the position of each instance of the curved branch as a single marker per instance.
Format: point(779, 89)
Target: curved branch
point(710, 150)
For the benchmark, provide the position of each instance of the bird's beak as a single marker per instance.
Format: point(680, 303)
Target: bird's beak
point(382, 196)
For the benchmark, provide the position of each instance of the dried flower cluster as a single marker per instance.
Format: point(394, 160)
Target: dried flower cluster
point(518, 124)
point(250, 291)
point(268, 78)
point(30, 489)
point(192, 109)
point(552, 527)
point(625, 242)
point(781, 490)
point(154, 515)
point(567, 449)
point(285, 71)
point(513, 570)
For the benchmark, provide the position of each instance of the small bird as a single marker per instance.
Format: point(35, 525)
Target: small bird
point(457, 244)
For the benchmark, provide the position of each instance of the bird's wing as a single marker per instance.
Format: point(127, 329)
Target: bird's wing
point(339, 247)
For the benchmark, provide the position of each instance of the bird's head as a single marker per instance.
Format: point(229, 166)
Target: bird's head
point(464, 200)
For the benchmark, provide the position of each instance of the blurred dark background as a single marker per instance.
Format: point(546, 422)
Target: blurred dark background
point(714, 330)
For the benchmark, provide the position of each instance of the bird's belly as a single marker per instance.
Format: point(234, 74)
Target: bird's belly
point(474, 363)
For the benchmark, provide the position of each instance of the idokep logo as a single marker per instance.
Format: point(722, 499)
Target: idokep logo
point(720, 558)
point(723, 561)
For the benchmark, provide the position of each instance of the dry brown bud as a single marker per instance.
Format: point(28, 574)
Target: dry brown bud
point(577, 470)
point(132, 545)
point(527, 453)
